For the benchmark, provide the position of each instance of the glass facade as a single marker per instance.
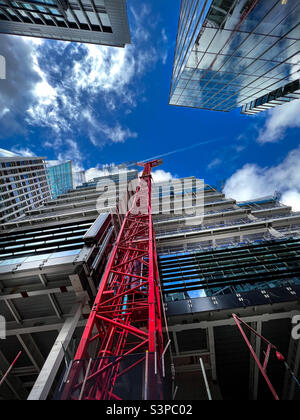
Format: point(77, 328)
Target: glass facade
point(234, 248)
point(230, 53)
point(215, 272)
point(60, 178)
point(97, 21)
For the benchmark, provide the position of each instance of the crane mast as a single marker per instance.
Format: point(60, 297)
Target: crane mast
point(124, 330)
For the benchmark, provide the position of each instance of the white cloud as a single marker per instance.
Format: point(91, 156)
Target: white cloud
point(6, 153)
point(103, 69)
point(23, 151)
point(116, 134)
point(292, 198)
point(77, 89)
point(17, 151)
point(159, 175)
point(214, 163)
point(279, 120)
point(17, 90)
point(80, 88)
point(72, 152)
point(94, 173)
point(104, 170)
point(252, 181)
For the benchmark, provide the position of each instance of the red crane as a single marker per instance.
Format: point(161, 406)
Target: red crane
point(124, 329)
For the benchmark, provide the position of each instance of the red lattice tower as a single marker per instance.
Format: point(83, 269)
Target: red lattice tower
point(126, 318)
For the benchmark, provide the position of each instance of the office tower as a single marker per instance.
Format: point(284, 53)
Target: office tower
point(232, 257)
point(23, 185)
point(102, 22)
point(233, 54)
point(60, 177)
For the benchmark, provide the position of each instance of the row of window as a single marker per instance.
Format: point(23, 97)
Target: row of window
point(87, 16)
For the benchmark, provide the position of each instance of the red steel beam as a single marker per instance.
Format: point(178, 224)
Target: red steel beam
point(10, 368)
point(239, 322)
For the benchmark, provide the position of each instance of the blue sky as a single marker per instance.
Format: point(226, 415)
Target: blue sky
point(98, 105)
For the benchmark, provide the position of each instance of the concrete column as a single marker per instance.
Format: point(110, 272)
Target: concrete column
point(212, 352)
point(47, 375)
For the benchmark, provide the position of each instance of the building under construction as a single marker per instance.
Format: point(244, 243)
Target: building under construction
point(103, 306)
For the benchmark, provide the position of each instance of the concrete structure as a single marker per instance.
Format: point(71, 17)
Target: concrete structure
point(23, 185)
point(233, 54)
point(241, 257)
point(50, 264)
point(101, 22)
point(60, 178)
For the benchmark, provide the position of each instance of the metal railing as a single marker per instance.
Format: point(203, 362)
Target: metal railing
point(201, 228)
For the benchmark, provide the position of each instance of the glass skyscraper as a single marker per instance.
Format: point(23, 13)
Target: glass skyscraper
point(60, 178)
point(237, 53)
point(93, 21)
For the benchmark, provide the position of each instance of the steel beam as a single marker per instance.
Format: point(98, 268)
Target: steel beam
point(295, 368)
point(32, 351)
point(43, 292)
point(30, 328)
point(176, 343)
point(24, 371)
point(13, 310)
point(43, 279)
point(227, 321)
point(14, 384)
point(55, 305)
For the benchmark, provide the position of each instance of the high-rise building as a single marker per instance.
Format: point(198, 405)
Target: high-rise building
point(233, 54)
point(60, 177)
point(23, 185)
point(90, 21)
point(230, 257)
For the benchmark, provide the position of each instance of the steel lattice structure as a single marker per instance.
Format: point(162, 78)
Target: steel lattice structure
point(126, 318)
